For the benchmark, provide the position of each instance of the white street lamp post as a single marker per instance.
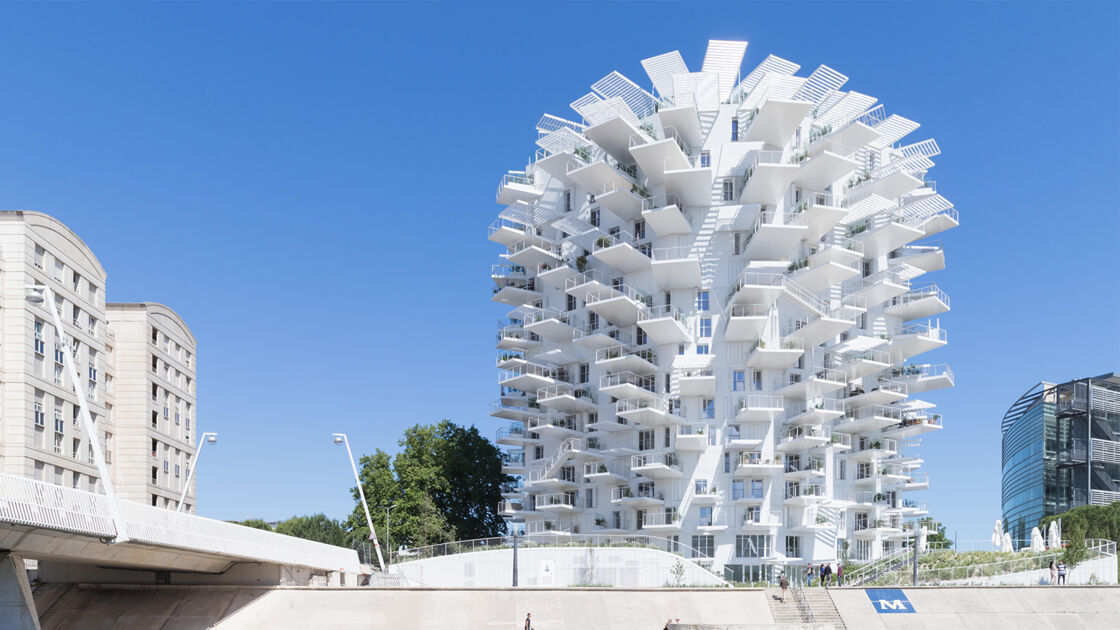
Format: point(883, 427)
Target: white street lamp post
point(206, 437)
point(340, 438)
point(41, 294)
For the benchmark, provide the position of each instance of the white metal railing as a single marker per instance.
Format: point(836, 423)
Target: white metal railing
point(825, 404)
point(543, 537)
point(537, 315)
point(794, 490)
point(507, 270)
point(647, 383)
point(755, 432)
point(875, 356)
point(680, 252)
point(603, 241)
point(619, 351)
point(749, 310)
point(517, 226)
point(42, 505)
point(601, 468)
point(669, 460)
point(922, 371)
point(571, 423)
point(916, 250)
point(555, 499)
point(841, 440)
point(878, 444)
point(816, 431)
point(755, 279)
point(538, 242)
point(931, 291)
point(666, 518)
point(635, 404)
point(527, 369)
point(886, 385)
point(587, 277)
point(621, 290)
point(694, 428)
point(555, 391)
point(782, 343)
point(757, 401)
point(661, 311)
point(924, 330)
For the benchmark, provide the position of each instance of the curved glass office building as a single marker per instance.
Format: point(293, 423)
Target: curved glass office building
point(1061, 450)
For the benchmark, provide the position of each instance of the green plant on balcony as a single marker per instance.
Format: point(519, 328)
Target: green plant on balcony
point(549, 526)
point(581, 263)
point(602, 468)
point(641, 191)
point(583, 153)
point(647, 128)
point(600, 521)
point(627, 492)
point(821, 519)
point(799, 158)
point(879, 497)
point(603, 241)
point(798, 264)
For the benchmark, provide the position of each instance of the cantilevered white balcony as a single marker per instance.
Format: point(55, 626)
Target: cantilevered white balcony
point(528, 377)
point(557, 503)
point(916, 481)
point(691, 182)
point(667, 521)
point(798, 493)
point(644, 496)
point(693, 436)
point(774, 235)
point(759, 408)
point(664, 324)
point(616, 522)
point(767, 179)
point(531, 252)
point(753, 464)
point(667, 219)
point(866, 419)
point(913, 424)
point(647, 411)
point(556, 275)
point(602, 336)
point(914, 339)
point(745, 438)
point(697, 382)
point(548, 527)
point(516, 435)
point(804, 468)
point(828, 266)
point(823, 169)
point(553, 324)
point(607, 423)
point(816, 413)
point(676, 267)
point(882, 233)
point(516, 338)
point(873, 448)
point(834, 321)
point(746, 322)
point(877, 288)
point(620, 359)
point(513, 462)
point(685, 120)
point(586, 282)
point(625, 202)
point(925, 256)
point(889, 186)
point(629, 385)
point(508, 232)
point(859, 364)
point(616, 135)
point(776, 354)
point(822, 213)
point(602, 472)
point(844, 141)
point(521, 413)
point(923, 378)
point(805, 437)
point(710, 495)
point(561, 427)
point(566, 399)
point(621, 304)
point(774, 121)
point(657, 157)
point(757, 288)
point(881, 392)
point(881, 472)
point(622, 251)
point(550, 477)
point(518, 186)
point(601, 174)
point(812, 384)
point(656, 465)
point(919, 303)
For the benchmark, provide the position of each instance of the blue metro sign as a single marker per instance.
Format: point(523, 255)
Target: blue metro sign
point(889, 600)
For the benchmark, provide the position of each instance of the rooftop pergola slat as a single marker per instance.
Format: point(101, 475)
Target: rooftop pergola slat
point(549, 123)
point(927, 148)
point(527, 214)
point(615, 85)
point(823, 82)
point(562, 140)
point(892, 129)
point(661, 69)
point(773, 65)
point(912, 164)
point(600, 111)
point(847, 109)
point(699, 89)
point(772, 87)
point(925, 207)
point(724, 58)
point(866, 207)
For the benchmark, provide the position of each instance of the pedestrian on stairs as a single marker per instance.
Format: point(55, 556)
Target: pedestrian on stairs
point(784, 583)
point(809, 575)
point(529, 621)
point(668, 622)
point(839, 574)
point(823, 573)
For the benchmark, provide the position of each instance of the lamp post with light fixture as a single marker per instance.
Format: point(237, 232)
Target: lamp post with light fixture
point(212, 438)
point(340, 438)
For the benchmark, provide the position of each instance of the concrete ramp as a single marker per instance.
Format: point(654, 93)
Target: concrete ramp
point(71, 606)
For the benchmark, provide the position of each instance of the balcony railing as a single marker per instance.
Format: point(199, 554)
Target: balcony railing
point(555, 499)
point(756, 401)
point(617, 352)
point(660, 519)
point(749, 310)
point(811, 464)
point(924, 330)
point(931, 291)
point(795, 490)
point(604, 241)
point(601, 468)
point(571, 423)
point(682, 252)
point(621, 290)
point(796, 433)
point(556, 391)
point(922, 371)
point(669, 460)
point(661, 311)
point(782, 343)
point(648, 383)
point(756, 279)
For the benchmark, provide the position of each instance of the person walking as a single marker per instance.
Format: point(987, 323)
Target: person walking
point(668, 622)
point(784, 583)
point(839, 574)
point(1053, 572)
point(828, 574)
point(821, 570)
point(809, 574)
point(528, 621)
point(1061, 572)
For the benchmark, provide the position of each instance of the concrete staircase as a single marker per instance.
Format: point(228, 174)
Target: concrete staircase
point(824, 610)
point(783, 613)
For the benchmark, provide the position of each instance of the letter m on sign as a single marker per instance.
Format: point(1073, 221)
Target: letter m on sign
point(889, 600)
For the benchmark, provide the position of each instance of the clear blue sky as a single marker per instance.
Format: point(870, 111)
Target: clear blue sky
point(309, 187)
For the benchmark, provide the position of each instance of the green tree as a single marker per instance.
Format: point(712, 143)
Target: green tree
point(381, 488)
point(1087, 521)
point(316, 527)
point(255, 523)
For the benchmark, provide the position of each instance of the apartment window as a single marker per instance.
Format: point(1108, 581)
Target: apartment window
point(705, 159)
point(76, 447)
point(187, 360)
point(590, 494)
point(639, 229)
point(702, 348)
point(703, 302)
point(705, 326)
point(756, 380)
point(703, 546)
point(75, 410)
point(737, 239)
point(77, 281)
point(40, 417)
point(752, 545)
point(738, 381)
point(668, 383)
point(756, 489)
point(727, 462)
point(680, 348)
point(571, 303)
point(40, 345)
point(841, 469)
point(92, 372)
point(567, 201)
point(58, 270)
point(705, 518)
point(616, 283)
point(58, 443)
point(728, 189)
point(793, 546)
point(40, 253)
point(866, 268)
point(645, 440)
point(709, 408)
point(641, 337)
point(734, 129)
point(155, 335)
point(59, 425)
point(77, 313)
point(57, 374)
point(863, 321)
point(176, 470)
point(737, 491)
point(668, 437)
point(59, 357)
point(594, 218)
point(538, 452)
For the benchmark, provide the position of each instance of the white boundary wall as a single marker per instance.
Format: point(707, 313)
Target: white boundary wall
point(554, 567)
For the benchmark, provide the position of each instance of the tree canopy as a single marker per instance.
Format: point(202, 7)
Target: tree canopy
point(316, 527)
